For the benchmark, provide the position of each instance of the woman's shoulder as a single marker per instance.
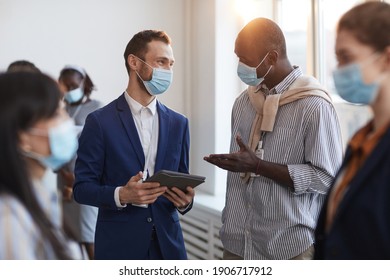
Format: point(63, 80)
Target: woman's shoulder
point(19, 235)
point(93, 104)
point(86, 108)
point(13, 212)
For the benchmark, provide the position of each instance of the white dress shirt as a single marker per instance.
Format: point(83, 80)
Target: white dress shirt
point(146, 122)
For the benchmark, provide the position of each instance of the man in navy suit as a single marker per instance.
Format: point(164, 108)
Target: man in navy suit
point(127, 141)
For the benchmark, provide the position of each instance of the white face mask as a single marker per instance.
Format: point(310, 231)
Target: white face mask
point(248, 74)
point(350, 85)
point(63, 145)
point(74, 95)
point(160, 82)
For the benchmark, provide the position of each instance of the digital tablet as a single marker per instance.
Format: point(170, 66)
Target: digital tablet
point(176, 179)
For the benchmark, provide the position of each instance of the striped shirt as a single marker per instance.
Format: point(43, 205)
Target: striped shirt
point(263, 219)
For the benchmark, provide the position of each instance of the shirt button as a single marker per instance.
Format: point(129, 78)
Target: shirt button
point(149, 220)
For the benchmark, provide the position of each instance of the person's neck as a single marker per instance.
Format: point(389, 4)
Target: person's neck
point(381, 107)
point(138, 94)
point(283, 70)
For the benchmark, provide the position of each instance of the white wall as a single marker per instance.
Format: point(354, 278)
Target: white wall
point(213, 84)
point(202, 41)
point(228, 86)
point(91, 33)
point(94, 34)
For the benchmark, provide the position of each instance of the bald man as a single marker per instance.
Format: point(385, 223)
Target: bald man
point(285, 150)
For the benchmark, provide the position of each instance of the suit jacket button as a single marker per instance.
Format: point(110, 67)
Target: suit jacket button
point(149, 220)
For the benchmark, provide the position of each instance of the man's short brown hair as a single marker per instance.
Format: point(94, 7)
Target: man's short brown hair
point(138, 45)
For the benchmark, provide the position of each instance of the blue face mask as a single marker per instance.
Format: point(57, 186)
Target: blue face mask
point(63, 145)
point(248, 74)
point(160, 82)
point(74, 95)
point(351, 87)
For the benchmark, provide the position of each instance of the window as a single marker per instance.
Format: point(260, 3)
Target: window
point(309, 28)
point(293, 18)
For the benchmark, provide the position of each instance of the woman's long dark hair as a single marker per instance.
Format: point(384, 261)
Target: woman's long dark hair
point(25, 99)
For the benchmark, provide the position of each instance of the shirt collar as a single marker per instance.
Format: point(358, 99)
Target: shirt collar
point(136, 107)
point(283, 85)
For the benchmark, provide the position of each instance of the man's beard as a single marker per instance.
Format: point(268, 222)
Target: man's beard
point(140, 82)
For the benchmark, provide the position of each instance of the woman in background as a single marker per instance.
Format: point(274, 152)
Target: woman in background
point(355, 220)
point(77, 87)
point(35, 134)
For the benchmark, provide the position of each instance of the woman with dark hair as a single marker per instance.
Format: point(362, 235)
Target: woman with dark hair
point(355, 220)
point(35, 134)
point(77, 87)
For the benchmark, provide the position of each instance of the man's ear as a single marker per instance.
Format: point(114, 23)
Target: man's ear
point(273, 57)
point(132, 62)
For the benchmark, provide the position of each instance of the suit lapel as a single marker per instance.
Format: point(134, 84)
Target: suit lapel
point(130, 128)
point(163, 135)
point(372, 161)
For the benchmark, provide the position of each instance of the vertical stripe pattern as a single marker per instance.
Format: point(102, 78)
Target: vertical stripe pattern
point(263, 219)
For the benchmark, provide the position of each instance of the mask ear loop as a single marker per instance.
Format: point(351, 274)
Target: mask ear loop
point(269, 69)
point(144, 61)
point(139, 76)
point(267, 72)
point(262, 60)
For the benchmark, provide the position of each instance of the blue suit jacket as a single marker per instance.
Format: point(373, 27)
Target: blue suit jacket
point(109, 154)
point(361, 228)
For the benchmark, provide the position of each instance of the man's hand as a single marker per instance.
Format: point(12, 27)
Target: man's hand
point(244, 160)
point(138, 192)
point(179, 198)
